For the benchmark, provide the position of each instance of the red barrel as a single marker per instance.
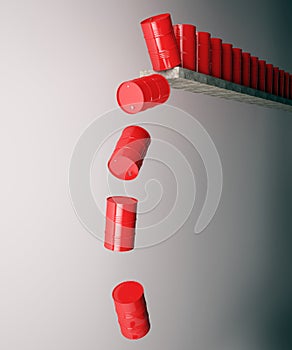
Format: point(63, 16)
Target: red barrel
point(281, 82)
point(142, 93)
point(262, 75)
point(246, 69)
point(254, 70)
point(127, 158)
point(227, 61)
point(203, 52)
point(120, 223)
point(269, 78)
point(276, 81)
point(290, 83)
point(286, 84)
point(236, 72)
point(216, 57)
point(161, 42)
point(131, 309)
point(186, 41)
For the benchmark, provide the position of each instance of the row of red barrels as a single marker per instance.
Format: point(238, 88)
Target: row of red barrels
point(171, 45)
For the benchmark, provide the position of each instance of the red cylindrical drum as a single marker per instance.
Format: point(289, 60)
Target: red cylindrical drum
point(186, 41)
point(142, 93)
point(286, 85)
point(281, 82)
point(120, 223)
point(227, 61)
point(262, 75)
point(236, 73)
point(290, 84)
point(131, 309)
point(161, 42)
point(203, 52)
point(254, 70)
point(216, 57)
point(127, 158)
point(246, 69)
point(269, 78)
point(276, 81)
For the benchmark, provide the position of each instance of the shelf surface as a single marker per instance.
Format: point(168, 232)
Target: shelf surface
point(187, 80)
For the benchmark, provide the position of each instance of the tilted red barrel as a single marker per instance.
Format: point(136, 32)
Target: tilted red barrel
point(139, 94)
point(128, 155)
point(131, 309)
point(161, 42)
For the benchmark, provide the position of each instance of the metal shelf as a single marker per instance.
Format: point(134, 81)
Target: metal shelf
point(187, 80)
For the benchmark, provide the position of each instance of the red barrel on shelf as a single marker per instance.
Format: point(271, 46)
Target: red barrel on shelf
point(216, 57)
point(276, 81)
point(120, 223)
point(290, 84)
point(128, 155)
point(269, 78)
point(131, 309)
point(246, 69)
point(254, 70)
point(286, 84)
point(262, 75)
point(139, 94)
point(236, 70)
point(186, 41)
point(227, 61)
point(203, 52)
point(161, 43)
point(281, 82)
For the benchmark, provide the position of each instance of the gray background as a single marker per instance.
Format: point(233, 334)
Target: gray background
point(228, 288)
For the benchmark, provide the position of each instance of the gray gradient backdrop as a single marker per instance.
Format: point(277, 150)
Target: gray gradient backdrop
point(228, 288)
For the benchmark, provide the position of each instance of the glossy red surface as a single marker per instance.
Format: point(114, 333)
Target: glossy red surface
point(227, 61)
point(139, 94)
point(281, 82)
point(131, 309)
point(204, 52)
point(236, 66)
point(161, 42)
point(120, 223)
point(128, 155)
point(186, 41)
point(276, 81)
point(262, 75)
point(216, 57)
point(254, 71)
point(245, 69)
point(269, 78)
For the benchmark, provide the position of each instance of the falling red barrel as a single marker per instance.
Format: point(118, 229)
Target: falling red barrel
point(262, 75)
point(203, 52)
point(269, 78)
point(286, 85)
point(276, 81)
point(254, 70)
point(161, 42)
point(227, 61)
point(131, 309)
point(120, 223)
point(246, 69)
point(186, 41)
point(236, 73)
point(142, 93)
point(216, 57)
point(281, 82)
point(128, 155)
